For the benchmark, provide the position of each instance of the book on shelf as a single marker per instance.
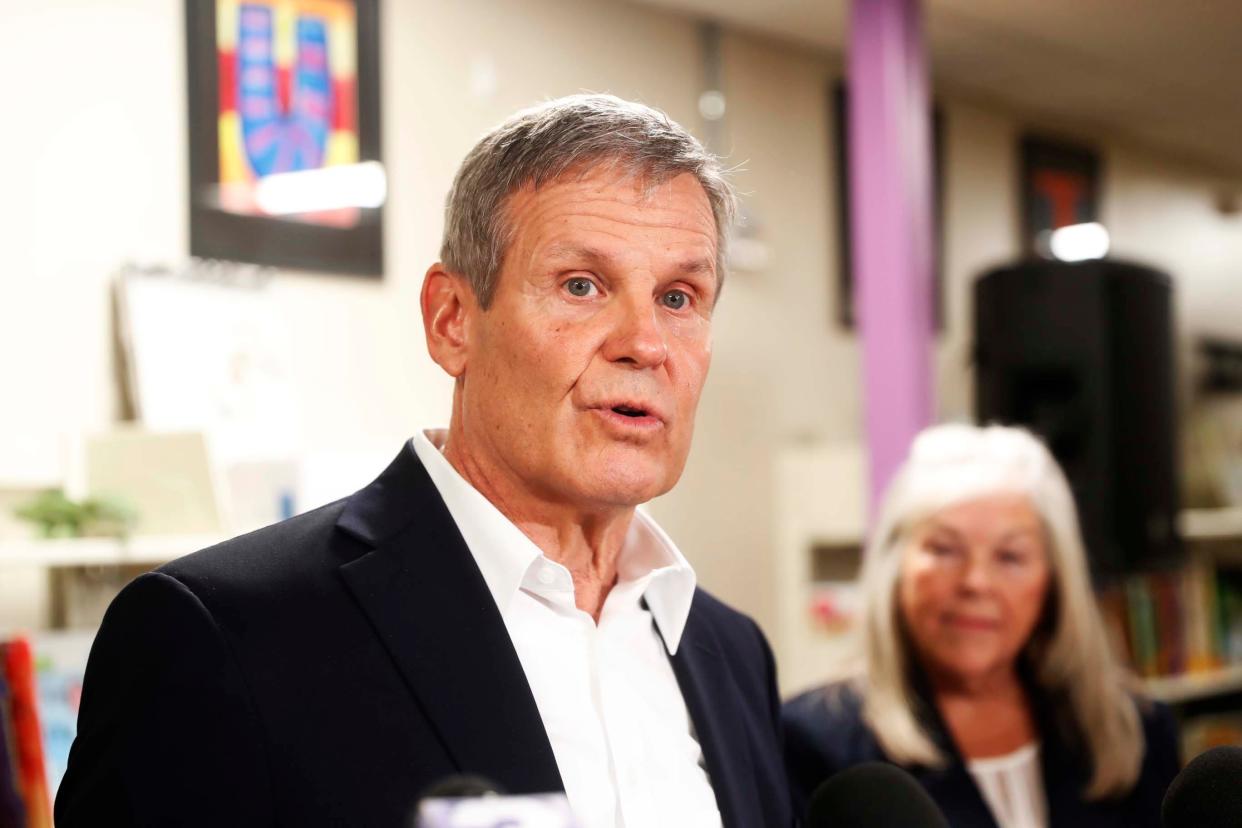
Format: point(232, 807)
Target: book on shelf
point(1203, 733)
point(12, 811)
point(1177, 622)
point(23, 762)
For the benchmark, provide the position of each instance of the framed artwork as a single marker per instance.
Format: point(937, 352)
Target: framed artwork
point(838, 106)
point(284, 117)
point(1060, 186)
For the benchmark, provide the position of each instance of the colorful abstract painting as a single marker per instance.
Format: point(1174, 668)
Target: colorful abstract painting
point(286, 163)
point(287, 88)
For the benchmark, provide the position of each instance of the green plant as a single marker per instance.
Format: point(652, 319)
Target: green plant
point(58, 516)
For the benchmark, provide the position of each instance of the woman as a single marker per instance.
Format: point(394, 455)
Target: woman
point(984, 668)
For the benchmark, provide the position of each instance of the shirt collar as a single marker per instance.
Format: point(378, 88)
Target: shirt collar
point(505, 555)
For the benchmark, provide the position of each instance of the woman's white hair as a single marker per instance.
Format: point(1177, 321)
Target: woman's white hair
point(1069, 653)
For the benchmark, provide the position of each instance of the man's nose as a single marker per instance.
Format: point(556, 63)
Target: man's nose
point(637, 337)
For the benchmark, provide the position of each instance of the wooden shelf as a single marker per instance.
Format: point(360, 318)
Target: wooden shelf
point(149, 550)
point(1211, 524)
point(1191, 686)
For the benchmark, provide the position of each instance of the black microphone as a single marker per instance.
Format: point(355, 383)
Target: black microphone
point(873, 795)
point(1207, 793)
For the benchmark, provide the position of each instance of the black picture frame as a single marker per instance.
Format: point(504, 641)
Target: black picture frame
point(838, 106)
point(219, 234)
point(1075, 169)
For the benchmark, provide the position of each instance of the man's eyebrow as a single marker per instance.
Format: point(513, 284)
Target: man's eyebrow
point(587, 253)
point(694, 266)
point(578, 252)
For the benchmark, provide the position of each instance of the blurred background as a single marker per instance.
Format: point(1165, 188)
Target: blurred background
point(218, 216)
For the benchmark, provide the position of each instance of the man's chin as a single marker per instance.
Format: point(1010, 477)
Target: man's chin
point(624, 487)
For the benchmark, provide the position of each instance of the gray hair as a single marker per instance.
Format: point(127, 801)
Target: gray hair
point(539, 145)
point(1069, 651)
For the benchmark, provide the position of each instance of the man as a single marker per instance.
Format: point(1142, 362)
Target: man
point(492, 604)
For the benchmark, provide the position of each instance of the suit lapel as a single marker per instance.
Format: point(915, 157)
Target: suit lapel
point(712, 699)
point(424, 595)
point(1065, 771)
point(955, 792)
point(952, 787)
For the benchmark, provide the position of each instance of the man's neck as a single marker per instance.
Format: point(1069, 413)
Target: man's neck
point(587, 542)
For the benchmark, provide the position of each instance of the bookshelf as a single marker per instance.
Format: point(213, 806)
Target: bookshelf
point(1190, 687)
point(1211, 524)
point(1208, 700)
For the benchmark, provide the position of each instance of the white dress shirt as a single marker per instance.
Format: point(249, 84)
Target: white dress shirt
point(1013, 787)
point(610, 703)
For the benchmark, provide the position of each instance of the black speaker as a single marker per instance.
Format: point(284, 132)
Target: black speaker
point(1082, 354)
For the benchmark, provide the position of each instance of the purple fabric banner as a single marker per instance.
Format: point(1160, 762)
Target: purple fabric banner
point(891, 225)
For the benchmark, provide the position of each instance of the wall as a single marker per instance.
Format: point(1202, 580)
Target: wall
point(1166, 214)
point(101, 177)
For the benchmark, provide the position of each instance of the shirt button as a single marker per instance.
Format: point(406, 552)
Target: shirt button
point(546, 576)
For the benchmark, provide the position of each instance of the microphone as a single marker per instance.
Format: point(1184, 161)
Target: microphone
point(460, 786)
point(1207, 793)
point(475, 802)
point(873, 795)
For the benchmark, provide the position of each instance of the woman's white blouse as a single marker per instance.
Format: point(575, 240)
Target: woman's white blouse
point(1013, 787)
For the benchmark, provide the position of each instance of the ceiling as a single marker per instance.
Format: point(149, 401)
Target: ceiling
point(1164, 74)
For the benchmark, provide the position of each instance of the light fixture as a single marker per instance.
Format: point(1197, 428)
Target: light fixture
point(327, 188)
point(1079, 242)
point(712, 105)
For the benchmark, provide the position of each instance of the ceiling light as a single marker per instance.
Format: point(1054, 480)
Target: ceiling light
point(1079, 242)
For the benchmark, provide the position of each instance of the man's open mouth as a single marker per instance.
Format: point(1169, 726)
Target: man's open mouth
point(627, 411)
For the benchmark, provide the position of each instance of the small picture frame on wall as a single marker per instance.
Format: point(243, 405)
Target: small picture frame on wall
point(284, 133)
point(839, 109)
point(1060, 187)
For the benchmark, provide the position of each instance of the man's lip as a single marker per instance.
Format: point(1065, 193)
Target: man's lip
point(647, 408)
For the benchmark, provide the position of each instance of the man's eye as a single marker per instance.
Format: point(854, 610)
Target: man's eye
point(580, 287)
point(675, 299)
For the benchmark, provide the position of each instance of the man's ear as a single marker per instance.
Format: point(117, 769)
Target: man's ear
point(448, 306)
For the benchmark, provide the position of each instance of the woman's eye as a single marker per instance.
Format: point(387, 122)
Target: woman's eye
point(580, 286)
point(675, 299)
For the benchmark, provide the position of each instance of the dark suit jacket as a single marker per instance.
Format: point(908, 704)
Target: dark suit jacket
point(326, 670)
point(825, 732)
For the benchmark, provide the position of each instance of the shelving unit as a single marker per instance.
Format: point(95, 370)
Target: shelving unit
point(151, 550)
point(1213, 535)
point(1194, 686)
point(76, 578)
point(1211, 524)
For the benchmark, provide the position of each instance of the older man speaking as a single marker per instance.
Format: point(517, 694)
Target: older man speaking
point(492, 604)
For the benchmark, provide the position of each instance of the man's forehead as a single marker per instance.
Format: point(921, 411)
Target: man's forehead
point(606, 218)
point(558, 207)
